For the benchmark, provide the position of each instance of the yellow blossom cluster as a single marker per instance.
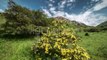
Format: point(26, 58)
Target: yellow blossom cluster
point(60, 44)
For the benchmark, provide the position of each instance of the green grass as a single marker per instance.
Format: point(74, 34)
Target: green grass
point(16, 49)
point(20, 49)
point(95, 44)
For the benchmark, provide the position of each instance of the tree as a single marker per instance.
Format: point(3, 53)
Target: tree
point(40, 19)
point(18, 20)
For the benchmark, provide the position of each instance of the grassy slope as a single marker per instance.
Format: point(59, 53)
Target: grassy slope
point(16, 49)
point(96, 44)
point(104, 24)
point(20, 49)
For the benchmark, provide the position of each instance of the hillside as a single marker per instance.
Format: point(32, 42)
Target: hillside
point(73, 23)
point(103, 26)
point(77, 26)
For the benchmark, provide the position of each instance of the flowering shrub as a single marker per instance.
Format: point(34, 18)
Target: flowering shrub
point(59, 44)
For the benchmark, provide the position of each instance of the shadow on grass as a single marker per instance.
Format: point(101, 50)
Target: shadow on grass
point(23, 36)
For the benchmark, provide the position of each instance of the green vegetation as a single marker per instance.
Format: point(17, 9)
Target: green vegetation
point(20, 49)
point(59, 37)
point(16, 49)
point(22, 21)
point(102, 26)
point(2, 19)
point(95, 44)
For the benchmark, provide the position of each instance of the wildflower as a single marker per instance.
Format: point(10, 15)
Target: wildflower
point(64, 59)
point(63, 51)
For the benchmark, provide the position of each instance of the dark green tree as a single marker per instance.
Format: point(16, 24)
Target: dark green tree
point(41, 19)
point(22, 21)
point(18, 20)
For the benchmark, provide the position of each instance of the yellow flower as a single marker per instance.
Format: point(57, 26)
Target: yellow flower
point(59, 47)
point(63, 51)
point(64, 59)
point(47, 47)
point(56, 44)
point(58, 39)
point(65, 41)
point(68, 50)
point(86, 55)
point(73, 37)
point(39, 58)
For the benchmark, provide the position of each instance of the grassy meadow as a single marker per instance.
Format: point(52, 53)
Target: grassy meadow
point(95, 44)
point(20, 49)
point(16, 49)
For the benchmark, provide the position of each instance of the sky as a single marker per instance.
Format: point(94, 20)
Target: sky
point(89, 12)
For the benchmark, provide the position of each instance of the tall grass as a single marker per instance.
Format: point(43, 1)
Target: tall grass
point(95, 43)
point(16, 49)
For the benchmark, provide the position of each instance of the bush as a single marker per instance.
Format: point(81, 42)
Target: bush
point(92, 29)
point(59, 44)
point(86, 34)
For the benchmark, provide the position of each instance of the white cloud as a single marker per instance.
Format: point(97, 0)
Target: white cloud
point(71, 0)
point(95, 0)
point(88, 17)
point(52, 1)
point(1, 10)
point(50, 5)
point(61, 4)
point(59, 13)
point(52, 8)
point(100, 6)
point(69, 4)
point(47, 12)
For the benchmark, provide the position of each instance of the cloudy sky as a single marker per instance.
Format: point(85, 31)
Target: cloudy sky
point(90, 12)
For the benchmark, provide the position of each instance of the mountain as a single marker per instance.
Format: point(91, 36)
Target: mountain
point(74, 23)
point(103, 26)
point(77, 26)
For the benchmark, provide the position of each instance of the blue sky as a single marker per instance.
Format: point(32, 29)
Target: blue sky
point(90, 12)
